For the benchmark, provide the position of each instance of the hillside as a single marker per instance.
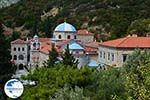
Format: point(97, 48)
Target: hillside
point(107, 18)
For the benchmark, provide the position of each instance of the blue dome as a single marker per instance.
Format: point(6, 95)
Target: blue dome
point(75, 46)
point(65, 27)
point(92, 63)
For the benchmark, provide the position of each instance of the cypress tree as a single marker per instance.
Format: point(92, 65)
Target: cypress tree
point(48, 28)
point(68, 58)
point(53, 57)
point(6, 68)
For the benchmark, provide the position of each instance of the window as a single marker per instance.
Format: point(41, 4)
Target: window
point(75, 37)
point(59, 36)
point(104, 55)
point(34, 44)
point(100, 54)
point(124, 57)
point(77, 52)
point(18, 49)
point(14, 49)
point(21, 67)
point(22, 49)
point(21, 57)
point(15, 57)
point(68, 37)
point(108, 55)
point(112, 56)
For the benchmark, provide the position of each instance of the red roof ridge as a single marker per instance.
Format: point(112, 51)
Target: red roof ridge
point(84, 31)
point(19, 41)
point(125, 38)
point(128, 42)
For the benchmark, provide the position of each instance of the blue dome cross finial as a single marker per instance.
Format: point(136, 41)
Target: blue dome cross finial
point(65, 27)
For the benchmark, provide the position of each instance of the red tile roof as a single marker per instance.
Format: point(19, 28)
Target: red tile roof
point(45, 47)
point(19, 41)
point(84, 32)
point(128, 42)
point(92, 44)
point(91, 50)
point(61, 43)
point(44, 39)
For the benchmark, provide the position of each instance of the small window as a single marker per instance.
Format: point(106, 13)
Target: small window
point(108, 55)
point(22, 49)
point(59, 36)
point(21, 67)
point(34, 44)
point(68, 37)
point(18, 49)
point(104, 55)
point(21, 57)
point(77, 52)
point(100, 54)
point(14, 49)
point(112, 56)
point(75, 37)
point(124, 57)
point(15, 57)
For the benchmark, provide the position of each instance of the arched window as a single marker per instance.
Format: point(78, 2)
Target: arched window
point(59, 36)
point(18, 49)
point(15, 57)
point(20, 66)
point(21, 57)
point(14, 49)
point(75, 37)
point(22, 49)
point(34, 44)
point(68, 37)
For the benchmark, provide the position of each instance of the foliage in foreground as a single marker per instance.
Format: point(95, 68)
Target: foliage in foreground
point(68, 93)
point(51, 79)
point(131, 82)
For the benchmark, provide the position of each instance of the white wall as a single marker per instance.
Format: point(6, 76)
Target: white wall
point(118, 55)
point(63, 35)
point(24, 53)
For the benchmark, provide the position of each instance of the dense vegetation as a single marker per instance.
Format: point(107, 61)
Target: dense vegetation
point(62, 82)
point(7, 69)
point(100, 16)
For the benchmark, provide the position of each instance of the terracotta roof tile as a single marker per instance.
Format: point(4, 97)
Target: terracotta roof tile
point(44, 39)
point(19, 41)
point(45, 47)
point(92, 44)
point(84, 32)
point(128, 42)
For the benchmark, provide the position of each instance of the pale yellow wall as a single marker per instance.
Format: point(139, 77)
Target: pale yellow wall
point(118, 58)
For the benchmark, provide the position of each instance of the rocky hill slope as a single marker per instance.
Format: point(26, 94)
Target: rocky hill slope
point(107, 18)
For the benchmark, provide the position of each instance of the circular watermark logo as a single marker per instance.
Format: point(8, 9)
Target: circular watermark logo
point(13, 88)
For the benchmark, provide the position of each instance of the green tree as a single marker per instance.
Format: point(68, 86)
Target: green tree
point(49, 80)
point(137, 75)
point(6, 67)
point(68, 58)
point(53, 57)
point(107, 85)
point(68, 93)
point(15, 35)
point(140, 27)
point(48, 28)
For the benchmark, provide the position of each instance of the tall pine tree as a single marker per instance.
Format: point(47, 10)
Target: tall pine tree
point(68, 58)
point(48, 28)
point(53, 57)
point(6, 68)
